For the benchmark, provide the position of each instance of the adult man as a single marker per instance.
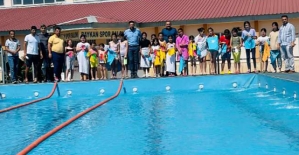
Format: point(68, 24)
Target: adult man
point(286, 43)
point(46, 61)
point(133, 36)
point(32, 53)
point(56, 52)
point(169, 31)
point(13, 47)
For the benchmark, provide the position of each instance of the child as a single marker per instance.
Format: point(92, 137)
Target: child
point(236, 44)
point(182, 42)
point(70, 58)
point(162, 43)
point(225, 51)
point(156, 52)
point(145, 46)
point(170, 57)
point(114, 46)
point(262, 41)
point(102, 61)
point(192, 54)
point(93, 59)
point(123, 48)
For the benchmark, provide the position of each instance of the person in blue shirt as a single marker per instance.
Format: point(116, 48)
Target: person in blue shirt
point(248, 38)
point(133, 36)
point(169, 31)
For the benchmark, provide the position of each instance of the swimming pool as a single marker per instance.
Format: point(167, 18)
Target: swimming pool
point(236, 114)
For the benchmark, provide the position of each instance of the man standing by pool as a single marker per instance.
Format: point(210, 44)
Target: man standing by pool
point(13, 47)
point(133, 36)
point(46, 61)
point(169, 31)
point(286, 43)
point(32, 53)
point(56, 52)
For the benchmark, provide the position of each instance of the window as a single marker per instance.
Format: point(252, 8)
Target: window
point(1, 2)
point(30, 2)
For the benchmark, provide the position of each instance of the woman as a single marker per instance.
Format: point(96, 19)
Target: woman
point(114, 46)
point(145, 46)
point(83, 59)
point(182, 42)
point(226, 50)
point(201, 41)
point(248, 36)
point(213, 47)
point(275, 53)
point(123, 48)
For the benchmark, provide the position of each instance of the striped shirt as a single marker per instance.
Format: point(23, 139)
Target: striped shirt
point(286, 34)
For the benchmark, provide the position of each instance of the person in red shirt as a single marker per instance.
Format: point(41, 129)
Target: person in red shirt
point(226, 50)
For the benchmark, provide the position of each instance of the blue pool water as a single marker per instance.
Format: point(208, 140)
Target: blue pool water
point(215, 120)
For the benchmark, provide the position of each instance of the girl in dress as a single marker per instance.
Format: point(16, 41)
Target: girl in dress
point(248, 36)
point(145, 46)
point(123, 48)
point(69, 60)
point(236, 44)
point(114, 46)
point(192, 54)
point(162, 43)
point(102, 61)
point(201, 41)
point(182, 42)
point(83, 59)
point(93, 59)
point(156, 60)
point(263, 41)
point(170, 57)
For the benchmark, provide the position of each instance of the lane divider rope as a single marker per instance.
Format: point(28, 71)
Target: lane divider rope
point(56, 129)
point(30, 102)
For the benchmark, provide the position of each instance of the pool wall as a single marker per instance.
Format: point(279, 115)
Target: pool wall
point(153, 85)
point(78, 89)
point(290, 87)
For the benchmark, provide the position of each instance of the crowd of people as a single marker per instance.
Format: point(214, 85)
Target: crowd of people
point(132, 50)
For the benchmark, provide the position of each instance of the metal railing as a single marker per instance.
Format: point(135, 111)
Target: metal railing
point(2, 65)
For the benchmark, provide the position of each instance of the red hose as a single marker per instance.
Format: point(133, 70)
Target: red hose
point(30, 102)
point(53, 131)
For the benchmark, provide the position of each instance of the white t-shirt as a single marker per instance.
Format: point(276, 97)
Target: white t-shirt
point(262, 40)
point(32, 44)
point(12, 45)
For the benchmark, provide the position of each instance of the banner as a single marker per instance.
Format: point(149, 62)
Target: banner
point(99, 34)
point(90, 34)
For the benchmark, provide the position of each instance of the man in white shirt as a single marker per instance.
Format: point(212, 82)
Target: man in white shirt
point(32, 52)
point(12, 48)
